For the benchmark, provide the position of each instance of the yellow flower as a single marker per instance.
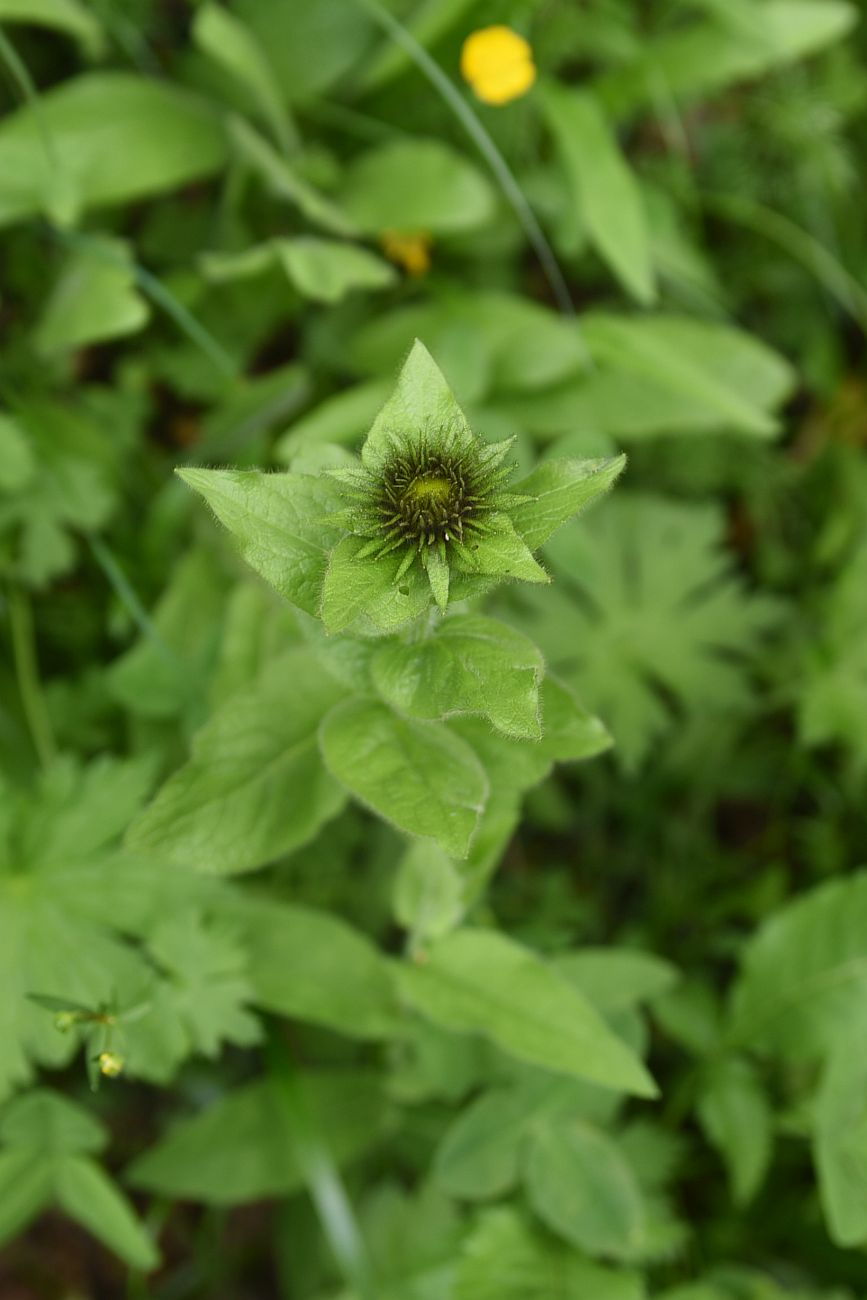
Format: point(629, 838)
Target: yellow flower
point(411, 251)
point(110, 1064)
point(498, 64)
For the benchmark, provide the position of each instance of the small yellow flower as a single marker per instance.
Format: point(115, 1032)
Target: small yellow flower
point(110, 1064)
point(411, 251)
point(498, 64)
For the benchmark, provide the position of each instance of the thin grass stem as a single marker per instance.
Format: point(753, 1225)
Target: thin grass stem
point(27, 675)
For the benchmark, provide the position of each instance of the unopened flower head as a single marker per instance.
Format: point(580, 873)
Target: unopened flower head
point(434, 489)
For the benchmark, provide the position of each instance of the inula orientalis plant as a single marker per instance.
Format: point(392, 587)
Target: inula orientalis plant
point(389, 552)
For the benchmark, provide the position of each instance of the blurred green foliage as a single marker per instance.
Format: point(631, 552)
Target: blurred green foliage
point(254, 1039)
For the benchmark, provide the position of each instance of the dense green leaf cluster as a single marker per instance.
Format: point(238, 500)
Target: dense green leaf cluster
point(411, 886)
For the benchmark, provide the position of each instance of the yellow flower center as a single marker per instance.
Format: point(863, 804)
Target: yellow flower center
point(430, 489)
point(498, 64)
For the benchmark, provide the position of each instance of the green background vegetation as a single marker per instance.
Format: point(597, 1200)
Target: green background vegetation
point(618, 1049)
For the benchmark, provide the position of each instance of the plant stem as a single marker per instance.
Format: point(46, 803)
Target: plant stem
point(27, 675)
point(840, 283)
point(321, 1175)
point(158, 293)
point(129, 597)
point(26, 87)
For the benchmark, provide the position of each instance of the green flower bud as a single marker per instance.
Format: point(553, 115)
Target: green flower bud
point(424, 514)
point(440, 489)
point(427, 508)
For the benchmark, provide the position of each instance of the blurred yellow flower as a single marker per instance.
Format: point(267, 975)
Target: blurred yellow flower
point(498, 64)
point(110, 1064)
point(411, 251)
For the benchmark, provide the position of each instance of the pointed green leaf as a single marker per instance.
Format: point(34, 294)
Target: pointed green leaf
point(560, 489)
point(658, 348)
point(280, 523)
point(240, 1148)
point(416, 774)
point(255, 786)
point(422, 400)
point(308, 964)
point(232, 45)
point(840, 1143)
point(582, 1188)
point(326, 270)
point(95, 299)
point(735, 1113)
point(470, 664)
point(505, 1259)
point(25, 1190)
point(478, 981)
point(438, 575)
point(88, 1195)
point(603, 187)
point(501, 553)
point(370, 588)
